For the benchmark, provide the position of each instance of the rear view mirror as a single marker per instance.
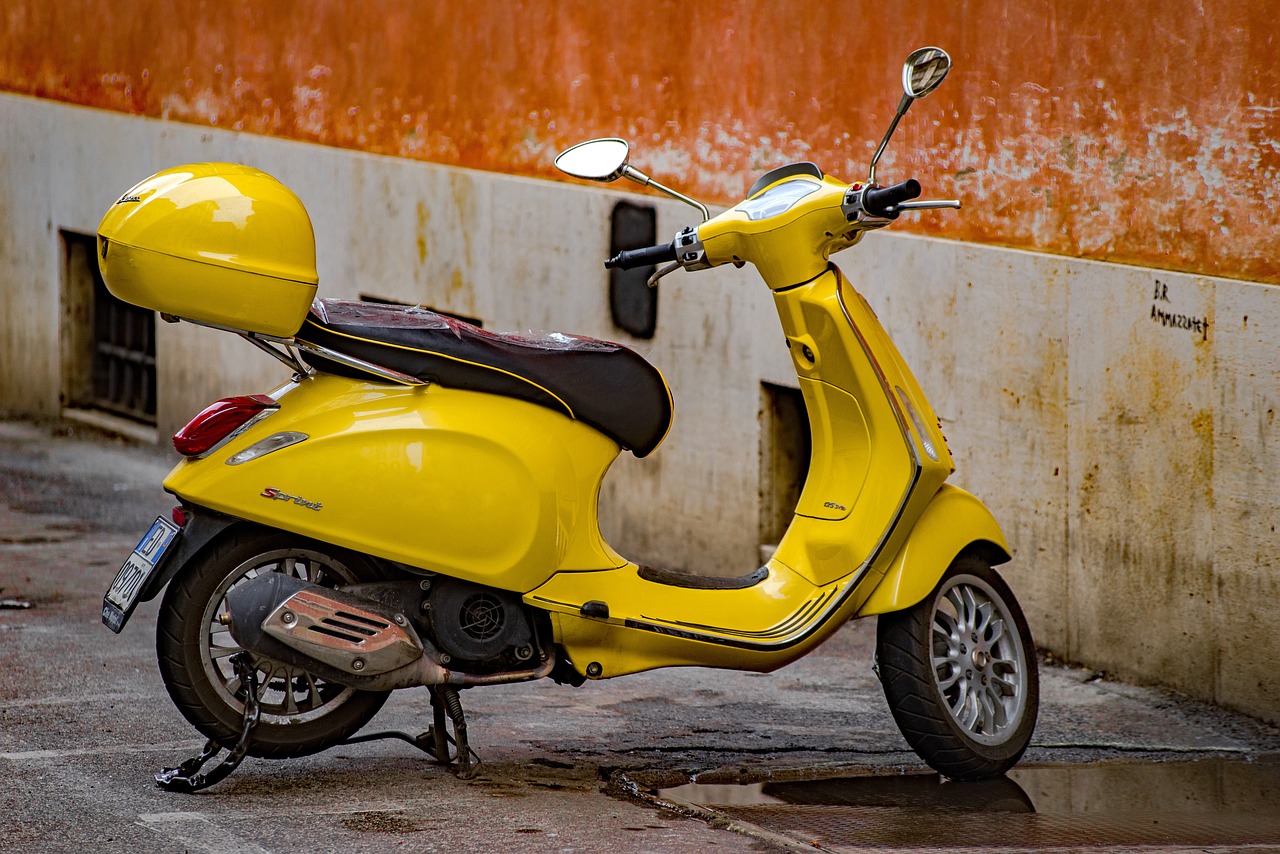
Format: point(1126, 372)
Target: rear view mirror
point(606, 159)
point(924, 70)
point(595, 160)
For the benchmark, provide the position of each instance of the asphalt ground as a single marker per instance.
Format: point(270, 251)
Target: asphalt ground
point(85, 722)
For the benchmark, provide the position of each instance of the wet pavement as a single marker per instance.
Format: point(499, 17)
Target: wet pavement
point(1205, 803)
point(807, 757)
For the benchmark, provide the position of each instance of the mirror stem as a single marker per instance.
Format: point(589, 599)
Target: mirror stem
point(644, 180)
point(893, 125)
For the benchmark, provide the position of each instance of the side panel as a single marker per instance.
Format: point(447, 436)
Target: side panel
point(953, 521)
point(870, 475)
point(477, 486)
point(842, 460)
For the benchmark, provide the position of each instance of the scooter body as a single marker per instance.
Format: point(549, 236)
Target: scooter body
point(363, 500)
point(503, 493)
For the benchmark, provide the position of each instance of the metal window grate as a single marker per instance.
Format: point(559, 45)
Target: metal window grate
point(124, 356)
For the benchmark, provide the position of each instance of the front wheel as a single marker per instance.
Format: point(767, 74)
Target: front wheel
point(959, 672)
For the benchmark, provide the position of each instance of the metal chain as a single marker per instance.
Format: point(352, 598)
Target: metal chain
point(187, 777)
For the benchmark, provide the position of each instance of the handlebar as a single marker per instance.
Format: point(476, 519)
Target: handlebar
point(883, 204)
point(883, 201)
point(631, 258)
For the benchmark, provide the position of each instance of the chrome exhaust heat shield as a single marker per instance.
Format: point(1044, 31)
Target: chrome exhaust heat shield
point(342, 637)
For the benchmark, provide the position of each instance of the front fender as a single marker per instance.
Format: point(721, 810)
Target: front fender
point(955, 521)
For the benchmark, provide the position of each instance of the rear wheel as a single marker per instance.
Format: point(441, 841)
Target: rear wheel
point(300, 713)
point(959, 672)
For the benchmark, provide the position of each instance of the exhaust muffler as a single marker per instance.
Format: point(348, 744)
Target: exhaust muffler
point(338, 636)
point(343, 638)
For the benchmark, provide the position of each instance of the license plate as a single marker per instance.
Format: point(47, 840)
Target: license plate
point(122, 596)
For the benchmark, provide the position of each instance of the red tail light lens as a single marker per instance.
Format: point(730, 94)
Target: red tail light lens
point(219, 422)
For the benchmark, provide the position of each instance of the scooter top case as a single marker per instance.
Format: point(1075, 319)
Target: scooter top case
point(217, 243)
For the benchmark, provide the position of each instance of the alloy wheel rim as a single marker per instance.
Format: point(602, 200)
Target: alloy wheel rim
point(286, 695)
point(978, 661)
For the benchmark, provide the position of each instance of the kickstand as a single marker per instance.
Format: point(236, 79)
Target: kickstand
point(446, 707)
point(445, 700)
point(187, 777)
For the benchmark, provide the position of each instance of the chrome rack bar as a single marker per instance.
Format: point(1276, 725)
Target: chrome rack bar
point(286, 356)
point(264, 342)
point(360, 364)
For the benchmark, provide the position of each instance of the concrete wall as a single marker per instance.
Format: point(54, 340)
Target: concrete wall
point(1120, 421)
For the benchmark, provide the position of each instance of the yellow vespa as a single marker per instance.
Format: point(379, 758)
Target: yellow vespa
point(418, 505)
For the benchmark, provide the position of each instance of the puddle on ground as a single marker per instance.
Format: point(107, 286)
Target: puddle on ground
point(1103, 804)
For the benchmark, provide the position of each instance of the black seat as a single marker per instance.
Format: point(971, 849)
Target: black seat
point(606, 385)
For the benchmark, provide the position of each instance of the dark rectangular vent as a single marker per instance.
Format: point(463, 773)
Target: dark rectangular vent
point(108, 346)
point(124, 362)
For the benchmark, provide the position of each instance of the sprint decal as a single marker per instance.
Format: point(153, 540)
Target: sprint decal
point(280, 495)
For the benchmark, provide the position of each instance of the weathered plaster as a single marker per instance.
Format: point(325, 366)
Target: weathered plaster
point(1142, 133)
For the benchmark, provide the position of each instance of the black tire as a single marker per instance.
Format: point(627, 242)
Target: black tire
point(300, 713)
point(942, 658)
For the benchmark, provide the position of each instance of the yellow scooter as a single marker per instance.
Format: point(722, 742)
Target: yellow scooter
point(418, 505)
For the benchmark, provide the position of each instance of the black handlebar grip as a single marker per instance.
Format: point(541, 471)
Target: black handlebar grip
point(880, 201)
point(629, 259)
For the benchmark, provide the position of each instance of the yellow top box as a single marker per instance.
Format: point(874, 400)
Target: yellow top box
point(216, 243)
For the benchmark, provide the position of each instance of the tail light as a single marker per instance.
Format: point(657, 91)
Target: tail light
point(220, 422)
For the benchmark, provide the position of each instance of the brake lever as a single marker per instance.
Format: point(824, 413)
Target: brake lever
point(928, 205)
point(662, 271)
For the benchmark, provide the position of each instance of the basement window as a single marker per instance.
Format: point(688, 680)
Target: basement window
point(785, 447)
point(108, 345)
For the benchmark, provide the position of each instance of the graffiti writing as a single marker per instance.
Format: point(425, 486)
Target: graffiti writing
point(1170, 319)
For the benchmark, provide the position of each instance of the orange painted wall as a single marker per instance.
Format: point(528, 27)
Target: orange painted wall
point(1140, 132)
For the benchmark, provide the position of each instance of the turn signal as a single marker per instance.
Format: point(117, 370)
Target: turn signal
point(221, 421)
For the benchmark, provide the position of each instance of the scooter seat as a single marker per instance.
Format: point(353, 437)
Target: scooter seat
point(605, 385)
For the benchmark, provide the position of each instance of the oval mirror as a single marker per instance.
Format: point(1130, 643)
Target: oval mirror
point(595, 159)
point(924, 70)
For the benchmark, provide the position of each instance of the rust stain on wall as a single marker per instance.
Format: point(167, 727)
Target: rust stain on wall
point(1145, 132)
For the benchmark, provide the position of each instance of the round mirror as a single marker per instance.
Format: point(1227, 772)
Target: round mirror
point(923, 71)
point(595, 160)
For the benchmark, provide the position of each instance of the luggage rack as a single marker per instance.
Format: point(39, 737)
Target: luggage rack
point(284, 349)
